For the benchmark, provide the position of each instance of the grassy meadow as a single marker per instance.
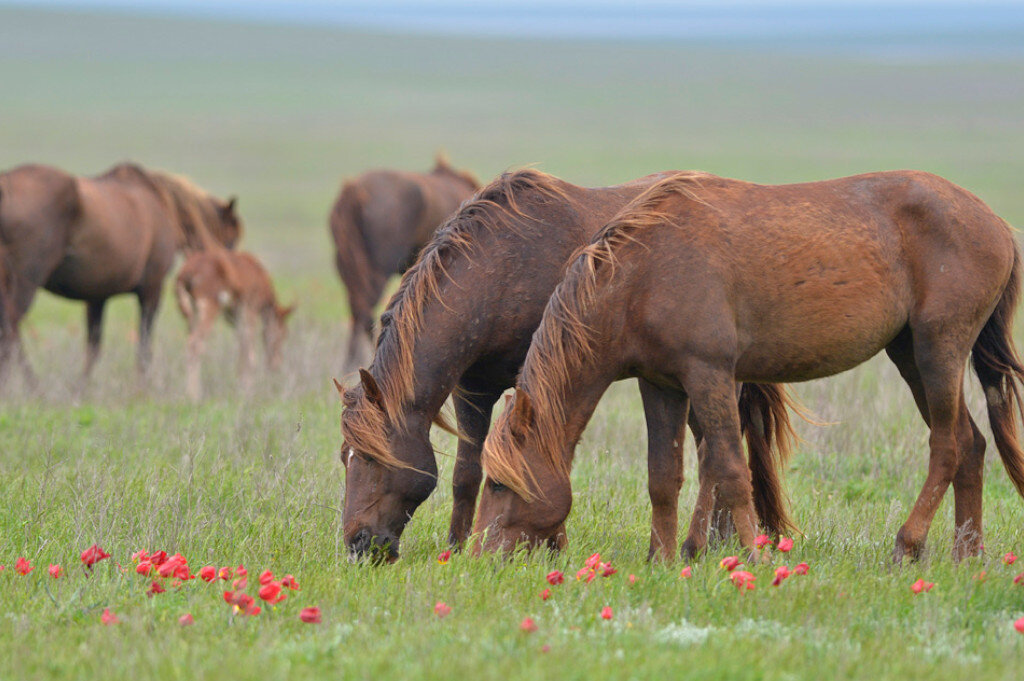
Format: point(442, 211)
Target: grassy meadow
point(279, 116)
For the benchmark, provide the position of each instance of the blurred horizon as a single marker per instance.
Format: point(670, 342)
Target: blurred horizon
point(905, 30)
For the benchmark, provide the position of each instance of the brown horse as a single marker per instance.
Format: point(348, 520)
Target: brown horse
point(235, 283)
point(92, 238)
point(460, 324)
point(379, 222)
point(703, 281)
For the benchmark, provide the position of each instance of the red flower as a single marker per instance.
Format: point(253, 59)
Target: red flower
point(1019, 625)
point(208, 573)
point(730, 563)
point(139, 556)
point(981, 576)
point(155, 588)
point(593, 561)
point(240, 583)
point(108, 617)
point(761, 541)
point(289, 583)
point(251, 610)
point(545, 594)
point(266, 577)
point(555, 578)
point(310, 615)
point(632, 579)
point(186, 620)
point(56, 571)
point(271, 593)
point(742, 580)
point(144, 568)
point(686, 572)
point(785, 545)
point(158, 558)
point(528, 625)
point(442, 609)
point(225, 573)
point(607, 570)
point(781, 573)
point(23, 567)
point(801, 569)
point(1009, 558)
point(93, 555)
point(921, 585)
point(1019, 579)
point(586, 574)
point(606, 612)
point(229, 597)
point(241, 571)
point(444, 557)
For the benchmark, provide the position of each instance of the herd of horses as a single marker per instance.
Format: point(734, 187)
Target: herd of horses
point(712, 292)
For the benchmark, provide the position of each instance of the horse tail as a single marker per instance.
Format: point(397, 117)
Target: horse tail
point(352, 255)
point(1001, 372)
point(764, 419)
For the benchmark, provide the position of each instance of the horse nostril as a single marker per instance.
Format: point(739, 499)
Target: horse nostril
point(361, 541)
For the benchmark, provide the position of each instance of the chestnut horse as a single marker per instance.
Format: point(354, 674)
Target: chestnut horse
point(703, 281)
point(237, 284)
point(460, 324)
point(379, 222)
point(92, 238)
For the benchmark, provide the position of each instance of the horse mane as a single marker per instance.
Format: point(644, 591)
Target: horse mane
point(564, 342)
point(194, 209)
point(443, 167)
point(402, 320)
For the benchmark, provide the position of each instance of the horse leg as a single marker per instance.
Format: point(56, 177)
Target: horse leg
point(665, 411)
point(94, 333)
point(473, 414)
point(967, 483)
point(149, 303)
point(246, 345)
point(723, 471)
point(200, 323)
point(939, 362)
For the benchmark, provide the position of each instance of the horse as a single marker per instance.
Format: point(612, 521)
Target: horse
point(703, 281)
point(379, 222)
point(460, 325)
point(235, 283)
point(92, 238)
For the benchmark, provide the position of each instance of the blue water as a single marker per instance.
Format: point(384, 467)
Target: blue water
point(886, 29)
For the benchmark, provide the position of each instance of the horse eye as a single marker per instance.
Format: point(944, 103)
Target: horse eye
point(497, 486)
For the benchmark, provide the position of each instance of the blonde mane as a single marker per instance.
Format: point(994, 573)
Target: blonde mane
point(402, 321)
point(564, 343)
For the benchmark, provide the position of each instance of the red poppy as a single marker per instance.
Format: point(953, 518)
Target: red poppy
point(155, 588)
point(229, 597)
point(158, 558)
point(444, 557)
point(585, 574)
point(108, 617)
point(761, 541)
point(981, 576)
point(606, 612)
point(1019, 625)
point(730, 563)
point(442, 609)
point(144, 568)
point(271, 593)
point(781, 573)
point(266, 577)
point(240, 583)
point(606, 569)
point(1019, 579)
point(593, 561)
point(686, 572)
point(208, 573)
point(139, 556)
point(241, 571)
point(545, 648)
point(742, 580)
point(920, 586)
point(225, 573)
point(93, 555)
point(56, 571)
point(310, 615)
point(1009, 558)
point(528, 625)
point(289, 583)
point(555, 578)
point(251, 610)
point(785, 544)
point(632, 579)
point(801, 569)
point(545, 594)
point(186, 620)
point(23, 567)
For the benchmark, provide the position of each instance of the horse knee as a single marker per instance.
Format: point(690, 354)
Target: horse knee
point(664, 490)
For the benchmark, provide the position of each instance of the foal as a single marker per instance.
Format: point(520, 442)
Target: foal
point(235, 282)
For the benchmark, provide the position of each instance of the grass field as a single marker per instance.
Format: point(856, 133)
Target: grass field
point(279, 116)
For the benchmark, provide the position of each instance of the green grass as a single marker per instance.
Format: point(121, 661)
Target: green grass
point(279, 116)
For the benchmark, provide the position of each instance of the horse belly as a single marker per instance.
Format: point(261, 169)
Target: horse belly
point(98, 265)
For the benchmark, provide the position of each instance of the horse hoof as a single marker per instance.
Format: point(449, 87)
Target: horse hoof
point(691, 550)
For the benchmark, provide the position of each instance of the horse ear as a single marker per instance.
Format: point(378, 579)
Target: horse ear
point(522, 411)
point(286, 312)
point(229, 209)
point(339, 387)
point(371, 388)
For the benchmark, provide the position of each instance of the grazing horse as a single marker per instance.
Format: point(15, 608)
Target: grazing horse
point(92, 238)
point(703, 281)
point(460, 324)
point(379, 222)
point(235, 283)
